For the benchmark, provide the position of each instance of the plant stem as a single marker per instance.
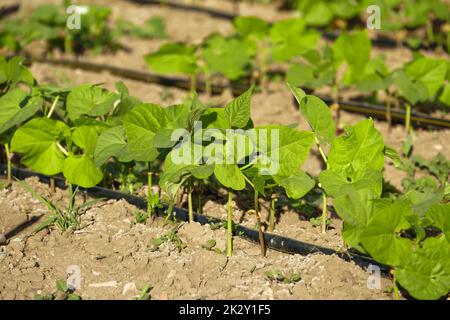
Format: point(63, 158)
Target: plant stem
point(169, 211)
point(272, 212)
point(149, 190)
point(208, 85)
point(263, 66)
point(52, 185)
point(396, 293)
point(68, 44)
point(388, 111)
point(230, 224)
point(337, 109)
point(8, 161)
point(70, 193)
point(258, 220)
point(52, 108)
point(324, 212)
point(194, 83)
point(408, 118)
point(190, 210)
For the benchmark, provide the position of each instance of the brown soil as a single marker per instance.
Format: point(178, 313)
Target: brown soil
point(116, 261)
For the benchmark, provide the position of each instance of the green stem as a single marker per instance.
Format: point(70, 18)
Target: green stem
point(52, 185)
point(194, 83)
point(68, 44)
point(149, 190)
point(169, 211)
point(263, 66)
point(396, 292)
point(258, 220)
point(230, 224)
point(388, 111)
point(324, 212)
point(408, 118)
point(70, 193)
point(52, 108)
point(272, 212)
point(208, 85)
point(190, 209)
point(8, 161)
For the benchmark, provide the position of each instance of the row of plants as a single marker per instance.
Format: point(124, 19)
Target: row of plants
point(256, 48)
point(77, 132)
point(418, 22)
point(47, 25)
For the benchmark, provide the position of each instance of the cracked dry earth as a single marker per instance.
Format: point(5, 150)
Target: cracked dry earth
point(116, 260)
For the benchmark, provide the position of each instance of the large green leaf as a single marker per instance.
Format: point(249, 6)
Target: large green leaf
point(296, 185)
point(89, 100)
point(141, 125)
point(361, 147)
point(226, 56)
point(381, 238)
point(237, 112)
point(317, 113)
point(111, 143)
point(439, 214)
point(283, 149)
point(175, 58)
point(82, 171)
point(37, 142)
point(430, 72)
point(425, 274)
point(230, 176)
point(16, 107)
point(413, 91)
point(355, 206)
point(289, 38)
point(354, 48)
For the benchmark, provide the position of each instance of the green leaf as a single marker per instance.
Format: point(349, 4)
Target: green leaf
point(354, 204)
point(439, 214)
point(16, 107)
point(296, 185)
point(354, 48)
point(37, 142)
point(82, 171)
point(226, 56)
point(284, 150)
point(230, 176)
point(141, 125)
point(89, 100)
point(412, 91)
point(111, 143)
point(175, 58)
point(237, 112)
point(251, 26)
point(319, 117)
point(361, 147)
point(381, 237)
point(86, 138)
point(430, 72)
point(289, 38)
point(425, 274)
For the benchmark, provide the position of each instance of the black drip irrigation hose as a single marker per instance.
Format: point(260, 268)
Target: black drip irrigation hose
point(275, 242)
point(382, 41)
point(367, 109)
point(7, 10)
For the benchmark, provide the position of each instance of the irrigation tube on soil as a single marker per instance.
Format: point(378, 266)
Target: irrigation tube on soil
point(376, 111)
point(272, 241)
point(381, 42)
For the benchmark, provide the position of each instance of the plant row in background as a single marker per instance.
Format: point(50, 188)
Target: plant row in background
point(252, 52)
point(346, 64)
point(81, 132)
point(46, 26)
